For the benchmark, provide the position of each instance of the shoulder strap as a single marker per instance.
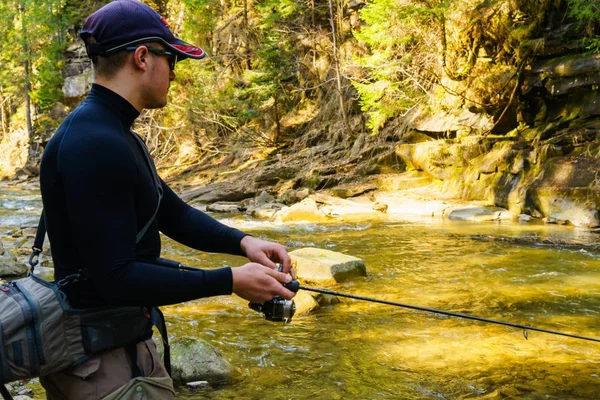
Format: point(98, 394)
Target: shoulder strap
point(5, 393)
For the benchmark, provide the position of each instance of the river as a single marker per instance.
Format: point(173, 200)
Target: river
point(363, 350)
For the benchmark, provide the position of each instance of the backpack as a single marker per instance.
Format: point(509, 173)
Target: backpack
point(40, 333)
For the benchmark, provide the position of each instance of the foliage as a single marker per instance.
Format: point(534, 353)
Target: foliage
point(267, 59)
point(585, 11)
point(399, 35)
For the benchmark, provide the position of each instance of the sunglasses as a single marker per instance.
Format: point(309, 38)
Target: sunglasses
point(171, 56)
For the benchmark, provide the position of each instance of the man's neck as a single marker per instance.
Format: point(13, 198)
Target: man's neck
point(123, 87)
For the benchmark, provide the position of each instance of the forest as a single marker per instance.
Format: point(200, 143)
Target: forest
point(345, 76)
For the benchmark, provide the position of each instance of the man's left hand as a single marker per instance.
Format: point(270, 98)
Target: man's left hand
point(267, 253)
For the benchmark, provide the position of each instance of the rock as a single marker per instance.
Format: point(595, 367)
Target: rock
point(1, 248)
point(476, 213)
point(194, 359)
point(265, 211)
point(306, 210)
point(198, 385)
point(564, 206)
point(380, 206)
point(305, 303)
point(290, 196)
point(452, 120)
point(352, 190)
point(263, 206)
point(78, 85)
point(321, 266)
point(223, 207)
point(10, 267)
point(525, 218)
point(263, 198)
point(214, 192)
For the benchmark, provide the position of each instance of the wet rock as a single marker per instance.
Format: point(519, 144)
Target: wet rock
point(321, 266)
point(10, 267)
point(194, 359)
point(306, 210)
point(224, 207)
point(477, 213)
point(305, 303)
point(198, 385)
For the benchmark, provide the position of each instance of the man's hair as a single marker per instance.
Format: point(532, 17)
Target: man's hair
point(108, 66)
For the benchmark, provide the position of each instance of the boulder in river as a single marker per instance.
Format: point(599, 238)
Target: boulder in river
point(193, 359)
point(321, 266)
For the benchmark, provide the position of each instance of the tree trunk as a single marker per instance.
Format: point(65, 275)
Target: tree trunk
point(338, 74)
point(247, 44)
point(277, 137)
point(27, 83)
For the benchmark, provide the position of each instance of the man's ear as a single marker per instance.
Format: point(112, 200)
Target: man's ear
point(140, 57)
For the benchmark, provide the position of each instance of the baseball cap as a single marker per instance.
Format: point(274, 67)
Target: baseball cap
point(124, 23)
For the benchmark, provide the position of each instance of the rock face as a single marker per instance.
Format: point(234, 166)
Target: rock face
point(78, 72)
point(194, 359)
point(324, 266)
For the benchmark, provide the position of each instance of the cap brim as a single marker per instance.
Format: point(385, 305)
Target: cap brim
point(186, 50)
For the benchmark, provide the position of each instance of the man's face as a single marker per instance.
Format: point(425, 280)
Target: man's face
point(159, 76)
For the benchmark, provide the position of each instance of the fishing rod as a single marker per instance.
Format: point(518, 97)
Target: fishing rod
point(525, 328)
point(283, 310)
point(279, 309)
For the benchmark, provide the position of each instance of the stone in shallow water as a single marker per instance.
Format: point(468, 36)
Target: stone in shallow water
point(321, 266)
point(194, 359)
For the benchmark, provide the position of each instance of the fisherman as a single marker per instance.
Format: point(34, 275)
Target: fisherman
point(105, 206)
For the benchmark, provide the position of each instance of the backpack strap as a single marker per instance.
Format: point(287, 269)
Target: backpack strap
point(38, 242)
point(131, 350)
point(5, 393)
point(158, 320)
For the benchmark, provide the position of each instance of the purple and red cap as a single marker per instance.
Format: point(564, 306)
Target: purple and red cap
point(125, 23)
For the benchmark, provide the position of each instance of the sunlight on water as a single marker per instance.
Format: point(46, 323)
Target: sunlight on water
point(362, 350)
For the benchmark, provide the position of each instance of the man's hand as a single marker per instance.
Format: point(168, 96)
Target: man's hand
point(258, 284)
point(267, 253)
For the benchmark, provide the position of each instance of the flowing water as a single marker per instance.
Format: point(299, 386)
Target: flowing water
point(362, 350)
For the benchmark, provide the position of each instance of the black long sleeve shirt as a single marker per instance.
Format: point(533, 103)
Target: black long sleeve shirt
point(98, 192)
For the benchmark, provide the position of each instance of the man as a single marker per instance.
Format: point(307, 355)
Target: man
point(104, 204)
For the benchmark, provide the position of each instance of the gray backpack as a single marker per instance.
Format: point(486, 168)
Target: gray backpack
point(40, 333)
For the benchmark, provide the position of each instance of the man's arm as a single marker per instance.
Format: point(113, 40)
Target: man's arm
point(198, 230)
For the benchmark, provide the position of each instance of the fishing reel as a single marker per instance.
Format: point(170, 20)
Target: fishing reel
point(278, 309)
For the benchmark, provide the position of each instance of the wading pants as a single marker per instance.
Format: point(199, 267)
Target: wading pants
point(104, 374)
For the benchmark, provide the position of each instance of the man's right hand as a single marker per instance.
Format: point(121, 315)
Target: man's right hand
point(258, 284)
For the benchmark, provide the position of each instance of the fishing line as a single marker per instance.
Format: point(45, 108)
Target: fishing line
point(525, 328)
point(294, 286)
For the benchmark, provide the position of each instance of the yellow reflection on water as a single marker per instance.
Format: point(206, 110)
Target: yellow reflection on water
point(362, 350)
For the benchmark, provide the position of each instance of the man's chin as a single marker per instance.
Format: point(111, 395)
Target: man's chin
point(156, 105)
